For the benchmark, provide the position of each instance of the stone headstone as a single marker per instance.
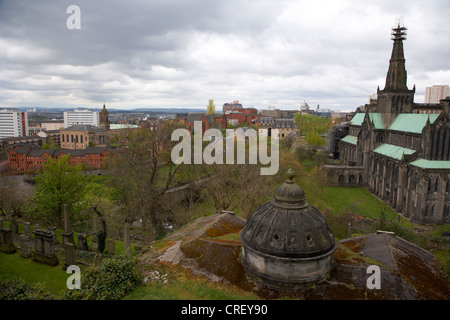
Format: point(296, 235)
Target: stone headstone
point(25, 246)
point(127, 240)
point(67, 234)
point(26, 229)
point(69, 249)
point(6, 241)
point(110, 247)
point(44, 247)
point(14, 226)
point(82, 242)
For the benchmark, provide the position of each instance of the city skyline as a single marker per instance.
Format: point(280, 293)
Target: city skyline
point(180, 54)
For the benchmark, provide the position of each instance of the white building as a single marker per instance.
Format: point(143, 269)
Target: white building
point(435, 93)
point(81, 116)
point(13, 123)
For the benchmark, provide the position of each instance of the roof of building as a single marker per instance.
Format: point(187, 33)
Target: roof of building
point(82, 152)
point(285, 123)
point(350, 139)
point(40, 152)
point(412, 122)
point(123, 126)
point(374, 117)
point(393, 151)
point(431, 164)
point(299, 229)
point(83, 127)
point(24, 148)
point(406, 122)
point(194, 116)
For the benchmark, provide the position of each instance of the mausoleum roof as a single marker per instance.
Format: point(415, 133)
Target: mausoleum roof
point(288, 226)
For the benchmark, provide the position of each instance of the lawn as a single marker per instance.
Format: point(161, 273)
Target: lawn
point(12, 266)
point(182, 285)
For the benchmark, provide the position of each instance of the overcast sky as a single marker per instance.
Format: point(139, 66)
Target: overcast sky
point(181, 53)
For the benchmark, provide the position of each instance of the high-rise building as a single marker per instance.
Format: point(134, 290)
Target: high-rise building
point(81, 116)
point(436, 93)
point(13, 123)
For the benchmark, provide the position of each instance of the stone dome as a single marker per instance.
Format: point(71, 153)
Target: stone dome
point(287, 242)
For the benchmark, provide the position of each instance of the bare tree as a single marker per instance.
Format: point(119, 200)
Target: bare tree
point(142, 172)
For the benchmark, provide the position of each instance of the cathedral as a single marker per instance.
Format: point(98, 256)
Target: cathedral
point(399, 149)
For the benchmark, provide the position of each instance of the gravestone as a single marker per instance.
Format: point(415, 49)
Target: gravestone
point(14, 226)
point(110, 247)
point(26, 229)
point(6, 241)
point(67, 234)
point(127, 240)
point(44, 247)
point(69, 249)
point(82, 242)
point(25, 246)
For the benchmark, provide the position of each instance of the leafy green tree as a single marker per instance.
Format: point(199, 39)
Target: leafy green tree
point(313, 139)
point(308, 123)
point(58, 184)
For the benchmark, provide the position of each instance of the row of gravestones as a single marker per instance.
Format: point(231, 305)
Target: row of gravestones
point(45, 240)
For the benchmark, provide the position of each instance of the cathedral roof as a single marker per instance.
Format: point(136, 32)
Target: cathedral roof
point(405, 122)
point(393, 151)
point(412, 122)
point(431, 164)
point(374, 117)
point(350, 139)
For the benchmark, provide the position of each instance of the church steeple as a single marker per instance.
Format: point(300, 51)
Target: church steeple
point(104, 119)
point(395, 98)
point(396, 76)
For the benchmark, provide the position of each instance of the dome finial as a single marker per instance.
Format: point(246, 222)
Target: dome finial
point(290, 174)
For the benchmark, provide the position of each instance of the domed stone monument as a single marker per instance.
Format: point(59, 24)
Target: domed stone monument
point(287, 243)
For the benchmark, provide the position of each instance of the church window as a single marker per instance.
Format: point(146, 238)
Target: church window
point(341, 178)
point(352, 179)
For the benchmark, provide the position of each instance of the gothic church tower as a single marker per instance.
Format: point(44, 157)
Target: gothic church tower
point(395, 98)
point(104, 119)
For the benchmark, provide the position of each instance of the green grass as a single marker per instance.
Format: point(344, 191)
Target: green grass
point(12, 266)
point(341, 200)
point(183, 286)
point(184, 291)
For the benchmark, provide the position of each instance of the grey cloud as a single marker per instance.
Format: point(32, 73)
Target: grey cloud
point(179, 52)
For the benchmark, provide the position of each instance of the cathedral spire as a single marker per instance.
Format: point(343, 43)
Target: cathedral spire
point(396, 76)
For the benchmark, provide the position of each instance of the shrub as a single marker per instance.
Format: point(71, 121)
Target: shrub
point(22, 290)
point(112, 279)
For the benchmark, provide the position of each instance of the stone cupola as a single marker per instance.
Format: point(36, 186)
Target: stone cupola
point(287, 243)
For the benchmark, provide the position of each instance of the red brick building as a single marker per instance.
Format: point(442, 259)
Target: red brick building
point(30, 158)
point(208, 121)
